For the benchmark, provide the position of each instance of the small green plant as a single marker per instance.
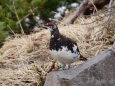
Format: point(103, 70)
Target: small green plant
point(3, 35)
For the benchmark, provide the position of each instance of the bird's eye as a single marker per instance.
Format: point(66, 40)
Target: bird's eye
point(51, 27)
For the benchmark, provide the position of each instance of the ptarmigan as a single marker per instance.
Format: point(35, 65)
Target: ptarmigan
point(63, 49)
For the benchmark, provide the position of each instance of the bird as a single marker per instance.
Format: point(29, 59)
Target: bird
point(62, 48)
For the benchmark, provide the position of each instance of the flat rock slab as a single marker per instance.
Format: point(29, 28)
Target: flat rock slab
point(97, 71)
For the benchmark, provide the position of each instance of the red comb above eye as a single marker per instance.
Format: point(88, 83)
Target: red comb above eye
point(50, 23)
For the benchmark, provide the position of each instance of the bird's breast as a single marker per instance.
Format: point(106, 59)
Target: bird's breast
point(64, 55)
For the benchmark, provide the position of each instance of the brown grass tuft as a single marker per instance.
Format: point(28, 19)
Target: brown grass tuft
point(25, 60)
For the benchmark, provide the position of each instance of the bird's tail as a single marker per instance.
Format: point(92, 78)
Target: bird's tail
point(82, 58)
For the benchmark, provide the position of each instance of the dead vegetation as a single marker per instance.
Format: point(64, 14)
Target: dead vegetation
point(25, 60)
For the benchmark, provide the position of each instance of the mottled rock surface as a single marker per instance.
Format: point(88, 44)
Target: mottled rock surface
point(98, 71)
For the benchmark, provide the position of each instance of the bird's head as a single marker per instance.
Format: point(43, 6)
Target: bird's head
point(51, 26)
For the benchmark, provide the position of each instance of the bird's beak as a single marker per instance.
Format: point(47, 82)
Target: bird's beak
point(46, 25)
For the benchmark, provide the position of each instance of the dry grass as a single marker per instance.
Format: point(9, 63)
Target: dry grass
point(25, 60)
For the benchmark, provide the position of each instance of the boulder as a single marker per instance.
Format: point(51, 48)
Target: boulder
point(97, 71)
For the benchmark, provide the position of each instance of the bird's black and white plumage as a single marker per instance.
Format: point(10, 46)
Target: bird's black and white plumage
point(63, 49)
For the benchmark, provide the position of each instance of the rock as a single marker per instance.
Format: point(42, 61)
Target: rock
point(97, 71)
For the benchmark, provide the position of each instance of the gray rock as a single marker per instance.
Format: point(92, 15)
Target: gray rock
point(97, 71)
